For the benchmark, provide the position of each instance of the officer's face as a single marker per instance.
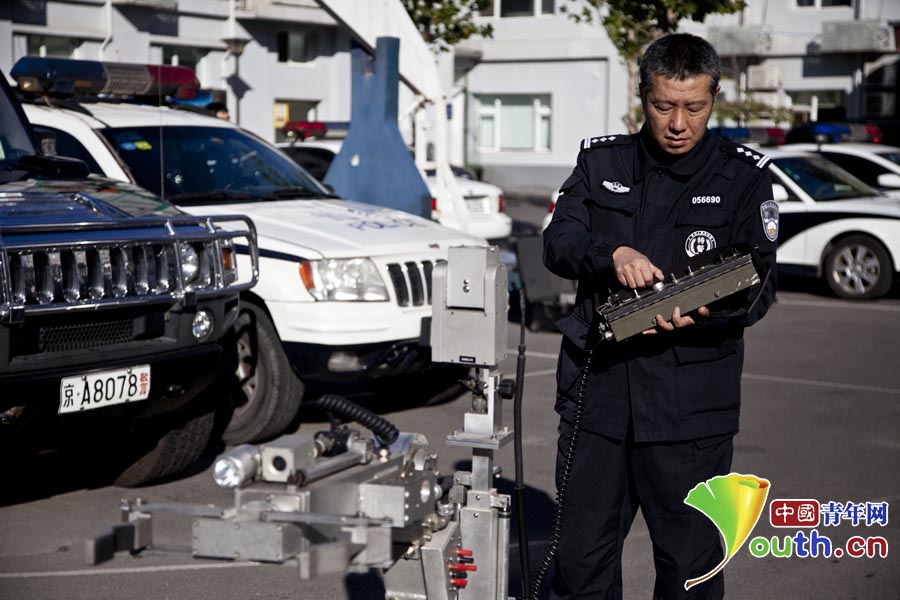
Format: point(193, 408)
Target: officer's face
point(677, 112)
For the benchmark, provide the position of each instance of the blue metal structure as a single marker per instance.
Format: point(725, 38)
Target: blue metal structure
point(374, 165)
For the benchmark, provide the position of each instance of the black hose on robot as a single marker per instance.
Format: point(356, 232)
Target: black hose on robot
point(385, 431)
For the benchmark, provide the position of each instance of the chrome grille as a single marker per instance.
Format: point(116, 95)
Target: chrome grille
point(72, 276)
point(50, 267)
point(412, 282)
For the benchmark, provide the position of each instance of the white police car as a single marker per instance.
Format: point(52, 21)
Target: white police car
point(484, 201)
point(834, 226)
point(831, 225)
point(344, 287)
point(874, 164)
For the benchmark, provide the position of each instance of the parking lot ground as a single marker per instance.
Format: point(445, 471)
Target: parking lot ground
point(820, 420)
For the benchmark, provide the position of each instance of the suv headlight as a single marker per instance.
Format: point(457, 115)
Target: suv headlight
point(350, 279)
point(190, 262)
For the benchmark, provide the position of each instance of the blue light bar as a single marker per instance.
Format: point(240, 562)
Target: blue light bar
point(738, 134)
point(835, 132)
point(66, 77)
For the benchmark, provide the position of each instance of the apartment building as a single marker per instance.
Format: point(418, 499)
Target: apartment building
point(520, 101)
point(271, 60)
point(823, 59)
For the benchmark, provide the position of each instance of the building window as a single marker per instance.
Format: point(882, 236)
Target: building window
point(822, 3)
point(292, 110)
point(49, 45)
point(297, 47)
point(513, 122)
point(184, 56)
point(517, 8)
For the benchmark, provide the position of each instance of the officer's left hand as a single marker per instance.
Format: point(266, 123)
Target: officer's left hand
point(677, 321)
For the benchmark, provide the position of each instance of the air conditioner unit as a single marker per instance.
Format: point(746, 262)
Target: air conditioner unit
point(857, 36)
point(763, 77)
point(881, 104)
point(744, 40)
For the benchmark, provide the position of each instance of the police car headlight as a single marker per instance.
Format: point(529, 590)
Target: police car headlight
point(352, 279)
point(190, 262)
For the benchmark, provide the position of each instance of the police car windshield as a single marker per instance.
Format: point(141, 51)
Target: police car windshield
point(892, 156)
point(15, 142)
point(821, 179)
point(202, 165)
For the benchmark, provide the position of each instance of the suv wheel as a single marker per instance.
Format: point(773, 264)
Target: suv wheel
point(175, 451)
point(268, 393)
point(858, 268)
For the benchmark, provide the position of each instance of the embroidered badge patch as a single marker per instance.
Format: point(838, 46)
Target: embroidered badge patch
point(615, 187)
point(698, 242)
point(768, 211)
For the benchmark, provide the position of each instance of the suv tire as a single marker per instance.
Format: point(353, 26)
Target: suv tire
point(267, 393)
point(175, 451)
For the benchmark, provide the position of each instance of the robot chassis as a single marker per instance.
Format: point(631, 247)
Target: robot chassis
point(339, 501)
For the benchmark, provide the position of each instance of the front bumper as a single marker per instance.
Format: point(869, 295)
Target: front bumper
point(360, 361)
point(29, 419)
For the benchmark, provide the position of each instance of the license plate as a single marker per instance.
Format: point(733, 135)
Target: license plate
point(103, 388)
point(475, 205)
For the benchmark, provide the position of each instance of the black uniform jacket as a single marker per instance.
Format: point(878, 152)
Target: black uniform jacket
point(673, 385)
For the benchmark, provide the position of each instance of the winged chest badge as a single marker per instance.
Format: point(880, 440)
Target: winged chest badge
point(615, 187)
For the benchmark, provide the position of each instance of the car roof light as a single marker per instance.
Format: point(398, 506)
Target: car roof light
point(775, 135)
point(833, 132)
point(874, 133)
point(305, 129)
point(68, 77)
point(737, 134)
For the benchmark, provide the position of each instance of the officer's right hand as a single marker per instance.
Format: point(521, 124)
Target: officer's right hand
point(633, 269)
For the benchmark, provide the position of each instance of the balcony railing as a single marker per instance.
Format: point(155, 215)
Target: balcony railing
point(857, 36)
point(161, 4)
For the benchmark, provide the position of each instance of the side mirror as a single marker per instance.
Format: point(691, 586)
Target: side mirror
point(889, 180)
point(779, 193)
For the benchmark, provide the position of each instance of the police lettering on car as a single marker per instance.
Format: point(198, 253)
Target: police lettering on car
point(655, 414)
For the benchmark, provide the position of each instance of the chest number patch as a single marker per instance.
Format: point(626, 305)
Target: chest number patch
point(768, 211)
point(699, 241)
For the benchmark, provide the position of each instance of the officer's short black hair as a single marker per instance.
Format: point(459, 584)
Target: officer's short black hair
point(680, 56)
point(215, 107)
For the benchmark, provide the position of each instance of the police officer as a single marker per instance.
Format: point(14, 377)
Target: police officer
point(659, 409)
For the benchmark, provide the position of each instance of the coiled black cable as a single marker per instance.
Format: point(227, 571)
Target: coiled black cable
point(519, 489)
point(563, 487)
point(385, 431)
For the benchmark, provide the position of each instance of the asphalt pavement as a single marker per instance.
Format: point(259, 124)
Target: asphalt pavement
point(820, 420)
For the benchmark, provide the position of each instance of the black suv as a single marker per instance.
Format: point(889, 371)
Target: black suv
point(112, 305)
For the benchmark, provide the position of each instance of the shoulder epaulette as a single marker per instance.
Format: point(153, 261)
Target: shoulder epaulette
point(606, 140)
point(747, 155)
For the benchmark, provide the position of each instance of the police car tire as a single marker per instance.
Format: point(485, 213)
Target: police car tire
point(267, 393)
point(834, 266)
point(176, 450)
